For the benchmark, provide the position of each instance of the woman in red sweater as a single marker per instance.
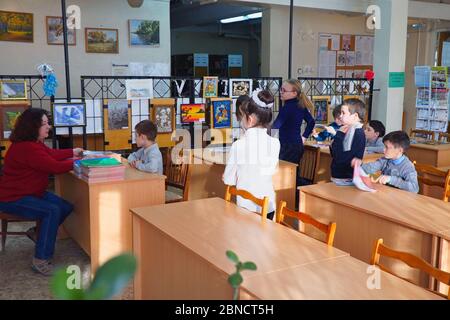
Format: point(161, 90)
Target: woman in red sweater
point(28, 164)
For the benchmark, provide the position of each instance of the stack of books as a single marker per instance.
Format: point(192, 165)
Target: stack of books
point(99, 169)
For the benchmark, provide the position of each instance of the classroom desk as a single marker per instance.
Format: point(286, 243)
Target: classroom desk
point(344, 278)
point(406, 221)
point(207, 170)
point(180, 248)
point(435, 155)
point(101, 221)
point(324, 171)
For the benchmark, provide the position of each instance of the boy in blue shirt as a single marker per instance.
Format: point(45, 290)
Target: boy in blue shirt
point(396, 169)
point(330, 130)
point(374, 132)
point(349, 142)
point(148, 158)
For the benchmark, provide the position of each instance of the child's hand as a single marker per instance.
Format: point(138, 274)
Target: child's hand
point(303, 139)
point(384, 179)
point(331, 130)
point(356, 161)
point(78, 152)
point(315, 133)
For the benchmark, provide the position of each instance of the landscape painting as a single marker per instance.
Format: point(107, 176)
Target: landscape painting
point(16, 26)
point(143, 32)
point(55, 32)
point(191, 113)
point(117, 114)
point(100, 40)
point(13, 90)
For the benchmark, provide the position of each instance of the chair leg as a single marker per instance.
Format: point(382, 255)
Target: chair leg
point(4, 230)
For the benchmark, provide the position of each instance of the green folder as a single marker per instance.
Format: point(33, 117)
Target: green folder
point(100, 162)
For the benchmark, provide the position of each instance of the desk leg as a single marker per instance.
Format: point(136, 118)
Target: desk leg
point(443, 263)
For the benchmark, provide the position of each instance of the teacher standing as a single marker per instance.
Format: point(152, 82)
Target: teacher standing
point(290, 119)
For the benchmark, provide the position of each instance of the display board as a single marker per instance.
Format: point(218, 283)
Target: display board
point(345, 55)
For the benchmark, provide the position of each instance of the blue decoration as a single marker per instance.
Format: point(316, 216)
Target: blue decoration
point(50, 85)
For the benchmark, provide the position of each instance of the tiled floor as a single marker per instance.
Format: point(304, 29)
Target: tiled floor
point(18, 281)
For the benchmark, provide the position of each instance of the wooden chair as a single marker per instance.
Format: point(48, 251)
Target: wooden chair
point(424, 171)
point(309, 164)
point(7, 218)
point(328, 229)
point(425, 134)
point(178, 178)
point(444, 137)
point(379, 249)
point(263, 203)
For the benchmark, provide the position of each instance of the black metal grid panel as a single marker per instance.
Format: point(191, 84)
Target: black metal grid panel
point(338, 88)
point(113, 87)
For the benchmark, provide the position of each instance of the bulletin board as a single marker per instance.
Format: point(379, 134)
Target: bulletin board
point(345, 55)
point(117, 124)
point(164, 136)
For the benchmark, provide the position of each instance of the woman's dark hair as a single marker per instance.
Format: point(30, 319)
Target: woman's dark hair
point(264, 115)
point(239, 102)
point(27, 125)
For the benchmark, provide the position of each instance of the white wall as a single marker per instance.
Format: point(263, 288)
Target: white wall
point(24, 57)
point(188, 42)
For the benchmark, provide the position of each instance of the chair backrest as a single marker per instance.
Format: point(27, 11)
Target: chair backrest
point(447, 187)
point(444, 137)
point(177, 172)
point(424, 174)
point(328, 229)
point(379, 249)
point(263, 203)
point(426, 134)
point(309, 163)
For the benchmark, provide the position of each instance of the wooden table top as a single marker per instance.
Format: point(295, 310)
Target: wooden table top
point(210, 227)
point(341, 278)
point(412, 210)
point(445, 169)
point(131, 175)
point(437, 147)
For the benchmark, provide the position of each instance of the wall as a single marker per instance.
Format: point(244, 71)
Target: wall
point(186, 42)
point(24, 57)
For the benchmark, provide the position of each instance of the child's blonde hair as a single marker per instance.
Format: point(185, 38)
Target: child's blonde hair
point(302, 98)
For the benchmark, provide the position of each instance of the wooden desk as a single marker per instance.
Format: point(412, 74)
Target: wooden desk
point(101, 221)
point(180, 248)
point(406, 221)
point(207, 170)
point(343, 278)
point(435, 155)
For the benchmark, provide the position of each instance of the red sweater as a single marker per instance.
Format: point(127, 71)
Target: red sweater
point(27, 167)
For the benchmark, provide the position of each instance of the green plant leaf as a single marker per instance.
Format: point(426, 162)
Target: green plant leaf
point(249, 266)
point(235, 280)
point(232, 256)
point(112, 277)
point(60, 288)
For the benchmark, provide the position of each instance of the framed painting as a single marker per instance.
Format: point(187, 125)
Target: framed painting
point(321, 108)
point(101, 40)
point(16, 26)
point(69, 114)
point(191, 113)
point(240, 87)
point(143, 32)
point(8, 116)
point(221, 113)
point(117, 114)
point(13, 90)
point(210, 87)
point(139, 89)
point(55, 32)
point(164, 118)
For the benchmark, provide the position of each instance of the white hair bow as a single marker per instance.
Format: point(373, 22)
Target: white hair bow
point(258, 101)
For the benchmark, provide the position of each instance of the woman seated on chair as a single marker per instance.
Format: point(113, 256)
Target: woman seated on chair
point(28, 164)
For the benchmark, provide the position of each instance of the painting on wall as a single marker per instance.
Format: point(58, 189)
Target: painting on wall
point(8, 117)
point(16, 26)
point(138, 89)
point(239, 87)
point(118, 114)
point(55, 32)
point(321, 108)
point(191, 113)
point(100, 40)
point(13, 90)
point(143, 32)
point(210, 87)
point(164, 116)
point(221, 113)
point(69, 114)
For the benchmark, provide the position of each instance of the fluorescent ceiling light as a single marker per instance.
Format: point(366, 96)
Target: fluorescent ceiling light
point(242, 18)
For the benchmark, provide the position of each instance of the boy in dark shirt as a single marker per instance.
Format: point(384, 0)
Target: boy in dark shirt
point(349, 142)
